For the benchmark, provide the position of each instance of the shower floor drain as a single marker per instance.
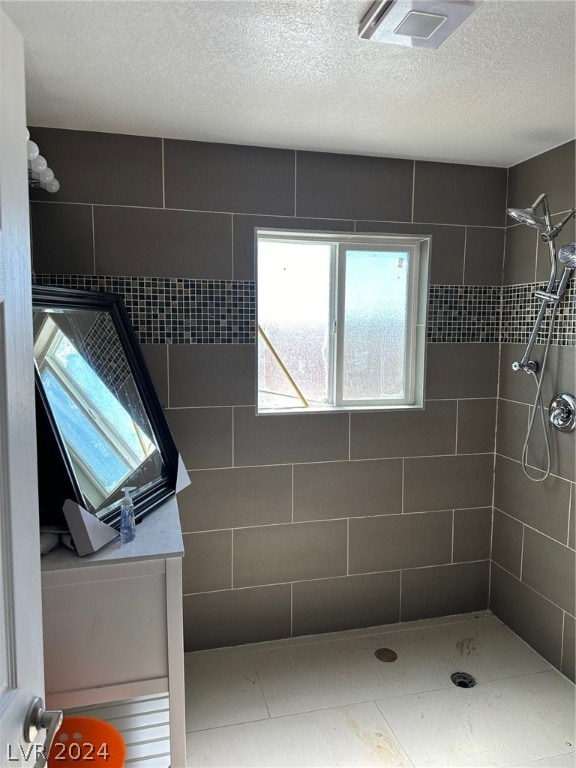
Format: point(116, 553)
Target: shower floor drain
point(386, 654)
point(463, 680)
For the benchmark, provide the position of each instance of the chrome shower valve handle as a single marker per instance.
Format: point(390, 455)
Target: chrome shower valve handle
point(562, 412)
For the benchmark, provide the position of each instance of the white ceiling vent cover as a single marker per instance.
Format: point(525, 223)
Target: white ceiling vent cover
point(415, 23)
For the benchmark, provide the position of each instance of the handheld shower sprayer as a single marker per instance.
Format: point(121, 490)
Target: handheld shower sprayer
point(551, 296)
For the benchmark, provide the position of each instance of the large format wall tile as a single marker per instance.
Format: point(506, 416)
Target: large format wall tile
point(404, 433)
point(472, 534)
point(353, 187)
point(507, 542)
point(106, 168)
point(212, 374)
point(541, 505)
point(203, 176)
point(347, 489)
point(400, 541)
point(278, 553)
point(444, 590)
point(448, 482)
point(156, 358)
point(551, 172)
point(520, 256)
point(235, 617)
point(511, 428)
point(460, 194)
point(461, 370)
point(202, 435)
point(530, 615)
point(548, 567)
point(160, 243)
point(569, 648)
point(484, 256)
point(476, 425)
point(62, 239)
point(331, 605)
point(236, 498)
point(207, 563)
point(283, 439)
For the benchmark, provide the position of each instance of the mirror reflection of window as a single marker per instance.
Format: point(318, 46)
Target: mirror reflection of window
point(94, 401)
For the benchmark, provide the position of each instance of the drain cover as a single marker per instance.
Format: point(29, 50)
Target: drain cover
point(463, 680)
point(386, 654)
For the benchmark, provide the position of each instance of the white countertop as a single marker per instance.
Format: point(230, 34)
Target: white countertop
point(158, 535)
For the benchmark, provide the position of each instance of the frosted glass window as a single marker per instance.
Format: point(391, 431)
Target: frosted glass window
point(375, 325)
point(341, 320)
point(294, 312)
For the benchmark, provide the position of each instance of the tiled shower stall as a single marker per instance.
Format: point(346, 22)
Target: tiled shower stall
point(309, 523)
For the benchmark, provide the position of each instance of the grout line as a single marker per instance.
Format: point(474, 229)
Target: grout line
point(342, 576)
point(291, 609)
point(292, 490)
point(295, 180)
point(522, 552)
point(93, 242)
point(402, 494)
point(387, 222)
point(457, 428)
point(464, 259)
point(233, 457)
point(570, 500)
point(452, 550)
point(529, 586)
point(413, 189)
point(562, 641)
point(400, 597)
point(352, 634)
point(532, 528)
point(349, 435)
point(231, 558)
point(163, 178)
point(232, 246)
point(335, 519)
point(167, 376)
point(263, 696)
point(347, 546)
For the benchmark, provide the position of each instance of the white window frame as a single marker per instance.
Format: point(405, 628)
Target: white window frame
point(418, 248)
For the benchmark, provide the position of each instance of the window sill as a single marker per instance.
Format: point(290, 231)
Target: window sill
point(340, 409)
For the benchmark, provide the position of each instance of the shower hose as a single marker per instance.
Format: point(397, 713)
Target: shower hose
point(538, 404)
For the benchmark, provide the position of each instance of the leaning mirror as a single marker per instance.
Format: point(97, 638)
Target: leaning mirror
point(100, 424)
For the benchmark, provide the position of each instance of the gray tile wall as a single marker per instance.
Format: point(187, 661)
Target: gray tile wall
point(297, 524)
point(533, 550)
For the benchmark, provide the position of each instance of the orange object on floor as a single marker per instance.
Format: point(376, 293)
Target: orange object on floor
point(87, 741)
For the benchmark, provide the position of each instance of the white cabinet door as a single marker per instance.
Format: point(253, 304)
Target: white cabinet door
point(21, 655)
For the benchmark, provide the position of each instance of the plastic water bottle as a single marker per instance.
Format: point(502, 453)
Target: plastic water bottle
point(127, 522)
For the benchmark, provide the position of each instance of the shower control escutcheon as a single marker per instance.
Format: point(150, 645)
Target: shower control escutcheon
point(562, 413)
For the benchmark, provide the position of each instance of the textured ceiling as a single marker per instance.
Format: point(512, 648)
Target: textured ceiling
point(294, 74)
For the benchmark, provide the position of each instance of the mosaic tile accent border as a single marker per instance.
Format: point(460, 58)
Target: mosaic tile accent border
point(177, 310)
point(184, 311)
point(464, 313)
point(520, 308)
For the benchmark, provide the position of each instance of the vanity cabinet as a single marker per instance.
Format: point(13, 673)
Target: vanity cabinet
point(113, 623)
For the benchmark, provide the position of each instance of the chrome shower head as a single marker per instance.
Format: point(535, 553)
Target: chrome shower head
point(527, 216)
point(567, 255)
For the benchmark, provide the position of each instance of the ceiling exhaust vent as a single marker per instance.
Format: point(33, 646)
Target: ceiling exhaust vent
point(416, 23)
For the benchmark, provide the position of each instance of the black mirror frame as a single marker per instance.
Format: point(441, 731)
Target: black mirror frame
point(144, 501)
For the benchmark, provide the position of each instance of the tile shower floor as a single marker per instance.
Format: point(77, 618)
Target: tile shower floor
point(326, 701)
